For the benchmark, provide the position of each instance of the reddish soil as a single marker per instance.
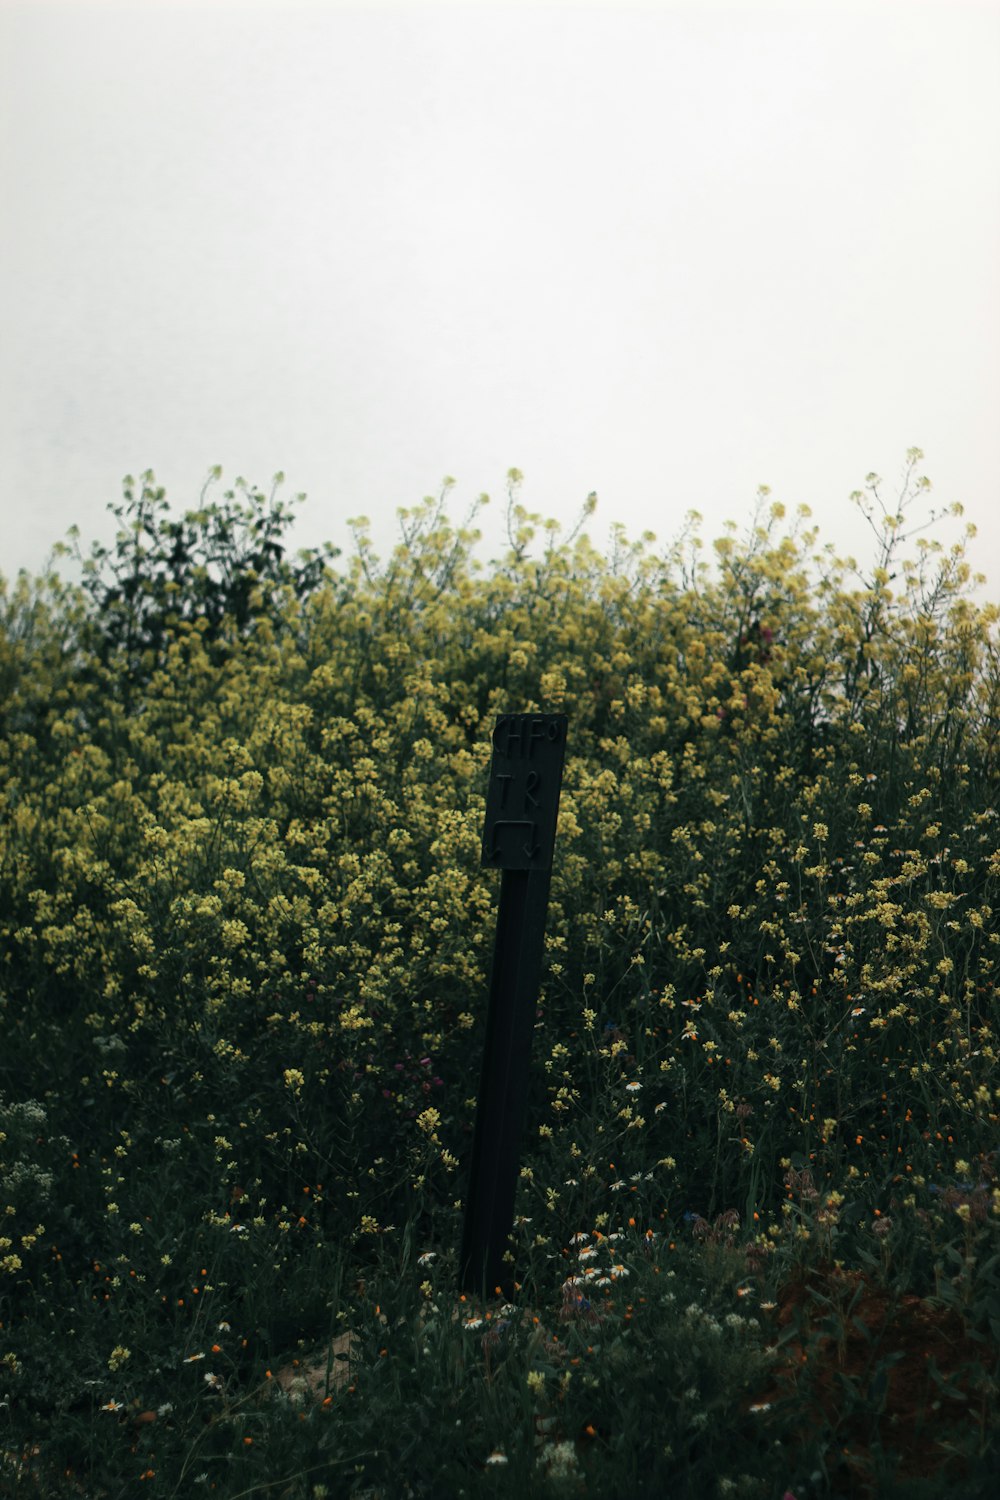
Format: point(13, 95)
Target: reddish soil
point(900, 1374)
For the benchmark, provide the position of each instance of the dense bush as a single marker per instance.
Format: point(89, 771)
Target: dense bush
point(244, 942)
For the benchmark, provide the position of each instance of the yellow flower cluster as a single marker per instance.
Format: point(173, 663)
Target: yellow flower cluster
point(257, 876)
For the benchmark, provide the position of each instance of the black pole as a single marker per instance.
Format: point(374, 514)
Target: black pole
point(521, 811)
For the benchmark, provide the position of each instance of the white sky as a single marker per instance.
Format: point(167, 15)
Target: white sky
point(664, 251)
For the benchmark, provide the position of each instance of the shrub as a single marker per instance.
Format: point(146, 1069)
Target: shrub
point(244, 941)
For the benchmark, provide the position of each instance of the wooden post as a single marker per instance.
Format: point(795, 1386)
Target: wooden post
point(522, 805)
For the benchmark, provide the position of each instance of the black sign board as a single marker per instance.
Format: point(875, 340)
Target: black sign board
point(521, 807)
point(522, 800)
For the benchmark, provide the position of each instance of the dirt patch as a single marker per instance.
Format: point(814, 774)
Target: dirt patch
point(322, 1373)
point(871, 1367)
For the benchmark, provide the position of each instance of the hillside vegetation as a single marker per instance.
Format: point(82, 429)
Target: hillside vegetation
point(244, 954)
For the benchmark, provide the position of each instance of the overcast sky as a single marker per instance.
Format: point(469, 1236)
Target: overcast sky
point(664, 251)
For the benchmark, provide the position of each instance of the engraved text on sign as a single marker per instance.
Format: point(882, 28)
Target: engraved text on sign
point(522, 801)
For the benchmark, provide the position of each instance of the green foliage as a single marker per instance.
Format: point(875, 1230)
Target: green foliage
point(222, 567)
point(244, 944)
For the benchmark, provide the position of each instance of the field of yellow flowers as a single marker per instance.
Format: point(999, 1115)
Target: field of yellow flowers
point(244, 953)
